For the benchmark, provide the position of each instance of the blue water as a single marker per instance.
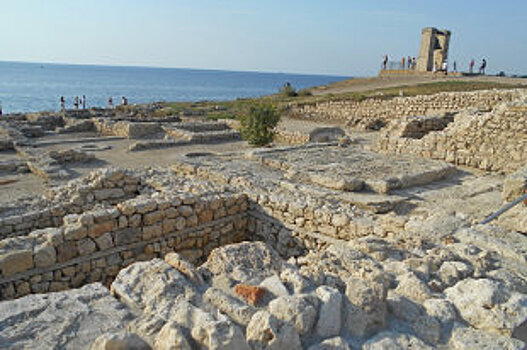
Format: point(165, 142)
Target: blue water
point(26, 87)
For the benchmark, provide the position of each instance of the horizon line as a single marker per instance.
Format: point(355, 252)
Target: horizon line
point(187, 68)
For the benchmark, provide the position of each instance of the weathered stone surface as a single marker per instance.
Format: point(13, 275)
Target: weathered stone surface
point(267, 332)
point(45, 255)
point(243, 261)
point(154, 287)
point(298, 310)
point(365, 306)
point(238, 311)
point(336, 343)
point(171, 337)
point(15, 261)
point(115, 341)
point(251, 294)
point(487, 305)
point(412, 287)
point(66, 320)
point(464, 338)
point(330, 312)
point(394, 341)
point(207, 330)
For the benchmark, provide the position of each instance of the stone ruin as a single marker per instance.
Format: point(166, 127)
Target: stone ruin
point(327, 245)
point(434, 49)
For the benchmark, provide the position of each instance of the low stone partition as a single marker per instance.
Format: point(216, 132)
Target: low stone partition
point(107, 187)
point(290, 137)
point(97, 244)
point(127, 129)
point(202, 132)
point(374, 113)
point(493, 141)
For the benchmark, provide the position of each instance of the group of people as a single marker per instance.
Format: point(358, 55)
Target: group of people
point(406, 62)
point(76, 102)
point(410, 63)
point(81, 102)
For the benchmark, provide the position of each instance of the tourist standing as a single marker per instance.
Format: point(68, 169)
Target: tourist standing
point(483, 66)
point(413, 63)
point(83, 101)
point(445, 67)
point(384, 61)
point(62, 103)
point(110, 102)
point(124, 101)
point(454, 67)
point(76, 103)
point(402, 63)
point(0, 109)
point(471, 66)
point(409, 62)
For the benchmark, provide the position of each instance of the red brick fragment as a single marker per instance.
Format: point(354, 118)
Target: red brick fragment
point(251, 294)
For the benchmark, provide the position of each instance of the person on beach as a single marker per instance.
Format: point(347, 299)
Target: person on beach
point(62, 103)
point(124, 101)
point(76, 103)
point(409, 62)
point(110, 102)
point(445, 67)
point(454, 67)
point(402, 63)
point(384, 61)
point(471, 66)
point(83, 101)
point(413, 63)
point(483, 66)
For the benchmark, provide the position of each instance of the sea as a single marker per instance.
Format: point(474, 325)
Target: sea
point(31, 87)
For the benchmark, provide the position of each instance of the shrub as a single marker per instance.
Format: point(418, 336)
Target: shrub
point(288, 90)
point(257, 125)
point(304, 92)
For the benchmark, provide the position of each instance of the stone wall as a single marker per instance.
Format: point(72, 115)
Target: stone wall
point(108, 186)
point(374, 113)
point(127, 129)
point(494, 141)
point(97, 244)
point(291, 137)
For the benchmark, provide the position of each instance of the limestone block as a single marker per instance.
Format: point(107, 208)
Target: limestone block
point(100, 228)
point(75, 232)
point(16, 261)
point(120, 341)
point(265, 331)
point(153, 217)
point(41, 319)
point(394, 341)
point(366, 306)
point(237, 310)
point(45, 255)
point(104, 241)
point(171, 337)
point(86, 246)
point(329, 319)
point(487, 304)
point(297, 310)
point(412, 287)
point(336, 343)
point(464, 338)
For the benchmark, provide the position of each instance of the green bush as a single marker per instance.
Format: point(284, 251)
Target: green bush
point(257, 125)
point(288, 91)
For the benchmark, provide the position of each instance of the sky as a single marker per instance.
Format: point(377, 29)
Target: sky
point(337, 37)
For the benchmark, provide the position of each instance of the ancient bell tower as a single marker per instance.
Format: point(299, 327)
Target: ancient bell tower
point(434, 49)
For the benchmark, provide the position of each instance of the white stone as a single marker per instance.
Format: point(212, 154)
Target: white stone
point(329, 319)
